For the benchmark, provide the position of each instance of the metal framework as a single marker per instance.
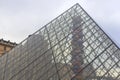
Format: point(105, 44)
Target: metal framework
point(70, 47)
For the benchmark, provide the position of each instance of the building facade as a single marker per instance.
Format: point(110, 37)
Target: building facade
point(6, 46)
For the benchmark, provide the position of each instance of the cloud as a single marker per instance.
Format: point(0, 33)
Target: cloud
point(19, 18)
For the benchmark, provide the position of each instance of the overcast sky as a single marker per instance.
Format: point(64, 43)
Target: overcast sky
point(19, 18)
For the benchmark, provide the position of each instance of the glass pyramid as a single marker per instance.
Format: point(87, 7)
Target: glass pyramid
point(70, 47)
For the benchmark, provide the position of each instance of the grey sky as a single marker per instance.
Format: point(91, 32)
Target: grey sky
point(19, 18)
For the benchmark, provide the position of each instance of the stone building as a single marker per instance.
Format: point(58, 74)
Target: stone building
point(6, 46)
